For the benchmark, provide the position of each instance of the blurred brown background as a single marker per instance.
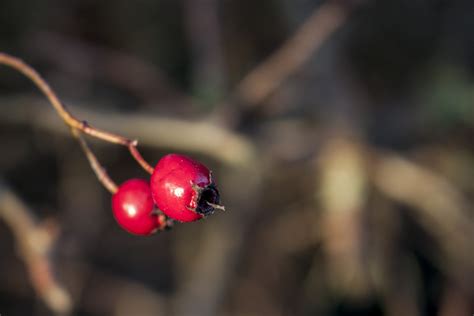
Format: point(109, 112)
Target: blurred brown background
point(340, 135)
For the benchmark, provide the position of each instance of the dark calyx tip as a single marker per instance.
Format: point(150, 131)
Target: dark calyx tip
point(208, 200)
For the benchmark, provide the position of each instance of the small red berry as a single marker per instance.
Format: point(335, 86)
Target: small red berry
point(182, 188)
point(133, 207)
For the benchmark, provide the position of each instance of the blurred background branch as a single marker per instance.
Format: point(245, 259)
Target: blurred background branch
point(35, 242)
point(339, 133)
point(195, 136)
point(298, 49)
point(440, 208)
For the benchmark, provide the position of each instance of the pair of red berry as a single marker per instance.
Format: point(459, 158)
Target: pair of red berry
point(180, 187)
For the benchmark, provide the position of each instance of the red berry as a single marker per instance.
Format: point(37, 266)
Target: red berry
point(133, 206)
point(182, 188)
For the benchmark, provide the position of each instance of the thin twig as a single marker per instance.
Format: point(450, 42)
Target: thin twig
point(34, 243)
point(99, 171)
point(67, 117)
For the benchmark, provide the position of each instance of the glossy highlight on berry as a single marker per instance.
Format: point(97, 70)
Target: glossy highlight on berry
point(183, 188)
point(133, 207)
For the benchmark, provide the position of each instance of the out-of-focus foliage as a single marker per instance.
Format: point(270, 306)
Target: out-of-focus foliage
point(349, 188)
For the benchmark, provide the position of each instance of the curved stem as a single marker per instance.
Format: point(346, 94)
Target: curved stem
point(66, 116)
point(99, 171)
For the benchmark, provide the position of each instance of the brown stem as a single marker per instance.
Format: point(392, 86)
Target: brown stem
point(132, 147)
point(99, 171)
point(67, 117)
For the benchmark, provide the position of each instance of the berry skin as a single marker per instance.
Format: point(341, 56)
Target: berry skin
point(182, 188)
point(133, 208)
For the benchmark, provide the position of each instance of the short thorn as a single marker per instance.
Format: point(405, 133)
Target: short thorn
point(216, 206)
